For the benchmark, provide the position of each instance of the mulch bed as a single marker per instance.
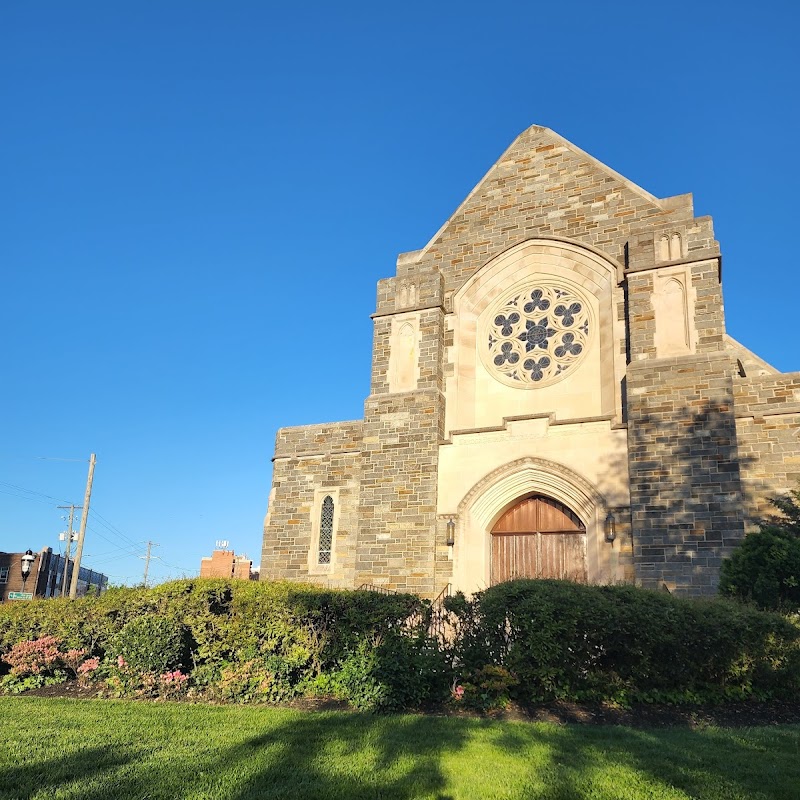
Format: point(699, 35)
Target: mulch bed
point(730, 715)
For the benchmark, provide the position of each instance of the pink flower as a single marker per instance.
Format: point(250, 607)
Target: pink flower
point(34, 657)
point(90, 665)
point(174, 677)
point(458, 692)
point(120, 662)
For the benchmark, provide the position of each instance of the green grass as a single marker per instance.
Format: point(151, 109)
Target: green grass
point(115, 750)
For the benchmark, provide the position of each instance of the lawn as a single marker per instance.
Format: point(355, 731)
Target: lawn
point(115, 750)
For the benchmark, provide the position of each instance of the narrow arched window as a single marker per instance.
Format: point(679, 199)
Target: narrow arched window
point(326, 531)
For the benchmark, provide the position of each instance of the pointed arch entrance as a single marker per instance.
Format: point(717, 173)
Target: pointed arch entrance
point(538, 537)
point(485, 504)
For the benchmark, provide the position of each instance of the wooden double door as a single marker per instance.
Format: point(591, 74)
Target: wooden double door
point(539, 538)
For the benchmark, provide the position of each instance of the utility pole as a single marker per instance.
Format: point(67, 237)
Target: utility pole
point(64, 580)
point(147, 561)
point(76, 567)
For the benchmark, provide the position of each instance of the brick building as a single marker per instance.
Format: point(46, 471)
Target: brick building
point(226, 564)
point(46, 577)
point(553, 393)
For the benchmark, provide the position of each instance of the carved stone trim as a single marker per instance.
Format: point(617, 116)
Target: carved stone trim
point(562, 483)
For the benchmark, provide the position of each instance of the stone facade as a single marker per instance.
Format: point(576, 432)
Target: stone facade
point(561, 336)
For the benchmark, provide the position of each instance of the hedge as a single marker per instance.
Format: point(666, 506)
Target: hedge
point(242, 640)
point(526, 641)
point(558, 640)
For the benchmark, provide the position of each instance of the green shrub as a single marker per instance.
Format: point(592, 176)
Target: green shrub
point(765, 570)
point(560, 640)
point(390, 672)
point(524, 640)
point(150, 643)
point(486, 688)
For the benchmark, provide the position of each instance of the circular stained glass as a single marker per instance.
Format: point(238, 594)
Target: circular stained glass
point(535, 335)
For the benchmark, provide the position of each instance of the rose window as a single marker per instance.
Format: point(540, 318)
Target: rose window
point(536, 335)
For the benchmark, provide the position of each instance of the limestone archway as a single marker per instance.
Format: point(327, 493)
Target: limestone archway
point(501, 489)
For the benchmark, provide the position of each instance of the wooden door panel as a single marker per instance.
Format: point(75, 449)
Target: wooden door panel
point(537, 514)
point(551, 557)
point(575, 557)
point(526, 556)
point(555, 517)
point(538, 538)
point(519, 519)
point(501, 559)
point(514, 556)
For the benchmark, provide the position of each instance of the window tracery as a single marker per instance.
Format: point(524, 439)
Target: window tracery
point(536, 334)
point(325, 531)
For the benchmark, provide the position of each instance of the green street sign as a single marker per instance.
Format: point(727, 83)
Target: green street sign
point(20, 595)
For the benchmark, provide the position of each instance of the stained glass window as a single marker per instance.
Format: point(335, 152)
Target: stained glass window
point(536, 334)
point(326, 531)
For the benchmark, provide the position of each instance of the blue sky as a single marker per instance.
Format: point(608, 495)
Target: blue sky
point(198, 198)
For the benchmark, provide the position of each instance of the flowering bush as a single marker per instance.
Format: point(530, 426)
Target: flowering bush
point(40, 662)
point(173, 685)
point(34, 663)
point(72, 659)
point(34, 657)
point(86, 669)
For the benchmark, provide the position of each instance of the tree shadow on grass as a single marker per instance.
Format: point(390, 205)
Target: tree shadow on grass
point(322, 755)
point(617, 763)
point(292, 755)
point(570, 762)
point(22, 781)
point(722, 763)
point(396, 757)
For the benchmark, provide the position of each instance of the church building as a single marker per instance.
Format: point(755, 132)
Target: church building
point(553, 394)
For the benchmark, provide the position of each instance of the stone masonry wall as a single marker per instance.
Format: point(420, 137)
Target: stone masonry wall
point(543, 186)
point(684, 471)
point(768, 427)
point(397, 510)
point(683, 459)
point(308, 460)
point(330, 437)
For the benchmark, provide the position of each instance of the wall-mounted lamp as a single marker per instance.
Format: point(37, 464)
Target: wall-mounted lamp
point(451, 532)
point(611, 527)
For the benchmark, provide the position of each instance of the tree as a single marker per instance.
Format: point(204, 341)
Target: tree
point(765, 568)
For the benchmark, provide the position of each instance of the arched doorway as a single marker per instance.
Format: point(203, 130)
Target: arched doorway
point(538, 537)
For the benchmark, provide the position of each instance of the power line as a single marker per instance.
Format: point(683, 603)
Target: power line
point(111, 553)
point(174, 566)
point(31, 491)
point(111, 527)
point(131, 547)
point(23, 497)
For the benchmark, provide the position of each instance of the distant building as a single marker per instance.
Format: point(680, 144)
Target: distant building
point(226, 564)
point(46, 576)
